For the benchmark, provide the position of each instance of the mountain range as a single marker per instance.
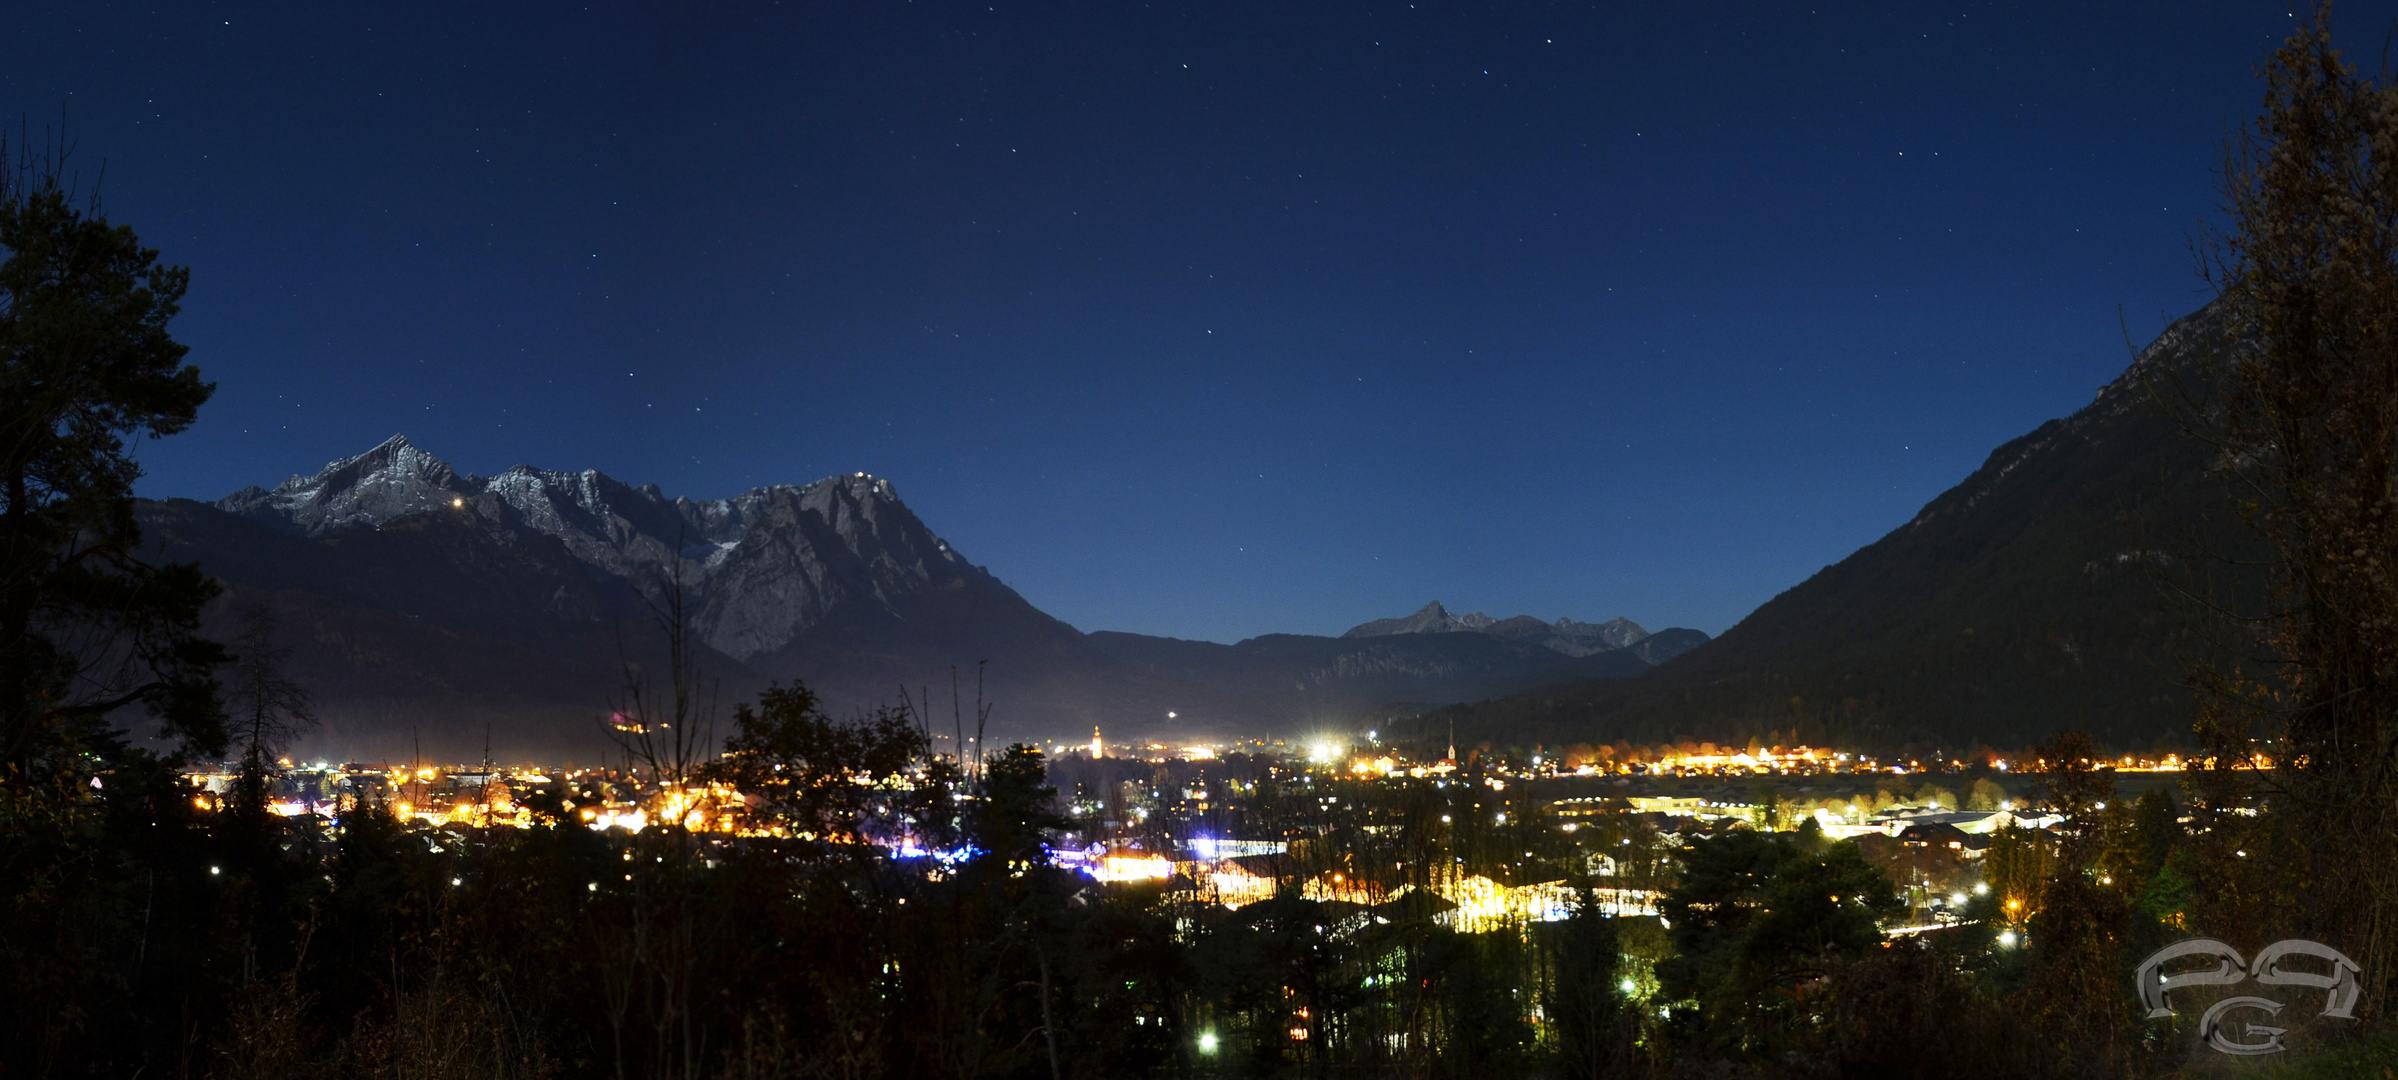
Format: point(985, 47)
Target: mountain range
point(431, 611)
point(2040, 593)
point(2053, 588)
point(1564, 636)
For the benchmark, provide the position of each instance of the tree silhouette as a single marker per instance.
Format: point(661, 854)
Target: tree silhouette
point(267, 708)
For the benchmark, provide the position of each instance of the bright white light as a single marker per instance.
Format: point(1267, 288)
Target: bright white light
point(1444, 819)
point(2006, 804)
point(1956, 899)
point(1981, 888)
point(1630, 986)
point(1323, 752)
point(1502, 819)
point(1207, 1042)
point(217, 870)
point(2007, 938)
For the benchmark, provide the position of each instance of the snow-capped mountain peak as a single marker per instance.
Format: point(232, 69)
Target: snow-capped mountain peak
point(393, 480)
point(759, 567)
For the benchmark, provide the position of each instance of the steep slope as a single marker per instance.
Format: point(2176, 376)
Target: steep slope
point(2024, 600)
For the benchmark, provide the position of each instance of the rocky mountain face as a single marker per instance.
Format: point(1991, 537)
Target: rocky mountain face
point(836, 582)
point(2036, 595)
point(1564, 635)
point(758, 569)
point(430, 609)
point(1432, 618)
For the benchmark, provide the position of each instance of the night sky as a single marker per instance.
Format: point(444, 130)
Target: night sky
point(1205, 321)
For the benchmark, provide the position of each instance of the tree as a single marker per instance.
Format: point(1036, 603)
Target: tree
point(801, 771)
point(1757, 914)
point(1583, 999)
point(268, 709)
point(1015, 809)
point(667, 733)
point(87, 625)
point(2308, 269)
point(2081, 932)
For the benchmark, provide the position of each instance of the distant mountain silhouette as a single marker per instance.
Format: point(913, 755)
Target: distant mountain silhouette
point(1327, 679)
point(1565, 635)
point(2024, 600)
point(427, 607)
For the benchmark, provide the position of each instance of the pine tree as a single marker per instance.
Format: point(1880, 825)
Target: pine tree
point(88, 626)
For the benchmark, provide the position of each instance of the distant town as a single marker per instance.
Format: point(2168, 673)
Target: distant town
point(1351, 821)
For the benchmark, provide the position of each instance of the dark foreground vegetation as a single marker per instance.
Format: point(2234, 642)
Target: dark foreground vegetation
point(144, 935)
point(164, 938)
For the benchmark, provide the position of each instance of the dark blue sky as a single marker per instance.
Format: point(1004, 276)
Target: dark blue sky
point(1205, 321)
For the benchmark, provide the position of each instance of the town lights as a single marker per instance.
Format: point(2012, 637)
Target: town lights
point(1323, 752)
point(1207, 1042)
point(2007, 939)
